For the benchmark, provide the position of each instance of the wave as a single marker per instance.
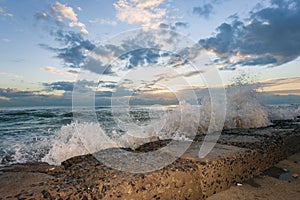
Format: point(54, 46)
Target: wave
point(182, 123)
point(244, 109)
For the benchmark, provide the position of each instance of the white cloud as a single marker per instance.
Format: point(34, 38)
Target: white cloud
point(59, 19)
point(6, 40)
point(84, 31)
point(67, 12)
point(9, 75)
point(146, 13)
point(4, 13)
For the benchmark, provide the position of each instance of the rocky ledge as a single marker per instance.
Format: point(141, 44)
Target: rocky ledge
point(239, 155)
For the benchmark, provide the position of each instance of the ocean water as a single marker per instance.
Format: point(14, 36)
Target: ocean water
point(50, 134)
point(31, 133)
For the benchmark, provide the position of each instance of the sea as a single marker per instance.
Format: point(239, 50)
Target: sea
point(50, 134)
point(29, 134)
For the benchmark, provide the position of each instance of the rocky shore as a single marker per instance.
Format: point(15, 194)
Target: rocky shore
point(238, 156)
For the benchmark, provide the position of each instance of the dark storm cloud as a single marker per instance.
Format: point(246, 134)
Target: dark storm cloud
point(272, 36)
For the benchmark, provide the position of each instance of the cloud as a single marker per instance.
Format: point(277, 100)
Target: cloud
point(9, 75)
point(73, 54)
point(6, 40)
point(207, 9)
point(272, 36)
point(174, 26)
point(181, 24)
point(60, 72)
point(4, 13)
point(140, 57)
point(61, 12)
point(282, 86)
point(60, 85)
point(67, 12)
point(13, 92)
point(42, 15)
point(146, 13)
point(204, 11)
point(67, 86)
point(163, 25)
point(15, 97)
point(139, 50)
point(103, 22)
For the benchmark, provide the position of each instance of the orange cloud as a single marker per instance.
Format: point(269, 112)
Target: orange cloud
point(283, 86)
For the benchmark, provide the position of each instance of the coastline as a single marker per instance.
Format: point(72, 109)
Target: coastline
point(239, 155)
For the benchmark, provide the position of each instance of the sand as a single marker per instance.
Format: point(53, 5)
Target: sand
point(265, 186)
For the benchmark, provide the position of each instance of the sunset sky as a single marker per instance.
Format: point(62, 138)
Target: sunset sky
point(43, 44)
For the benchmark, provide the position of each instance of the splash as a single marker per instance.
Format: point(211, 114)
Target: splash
point(283, 112)
point(244, 108)
point(68, 142)
point(85, 138)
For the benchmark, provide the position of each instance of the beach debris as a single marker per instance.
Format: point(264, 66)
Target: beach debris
point(239, 184)
point(287, 176)
point(295, 175)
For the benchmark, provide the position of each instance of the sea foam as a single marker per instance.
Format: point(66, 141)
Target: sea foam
point(243, 110)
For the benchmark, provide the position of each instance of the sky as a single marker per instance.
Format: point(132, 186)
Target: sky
point(47, 46)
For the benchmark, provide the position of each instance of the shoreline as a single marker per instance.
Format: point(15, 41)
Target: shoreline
point(239, 155)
